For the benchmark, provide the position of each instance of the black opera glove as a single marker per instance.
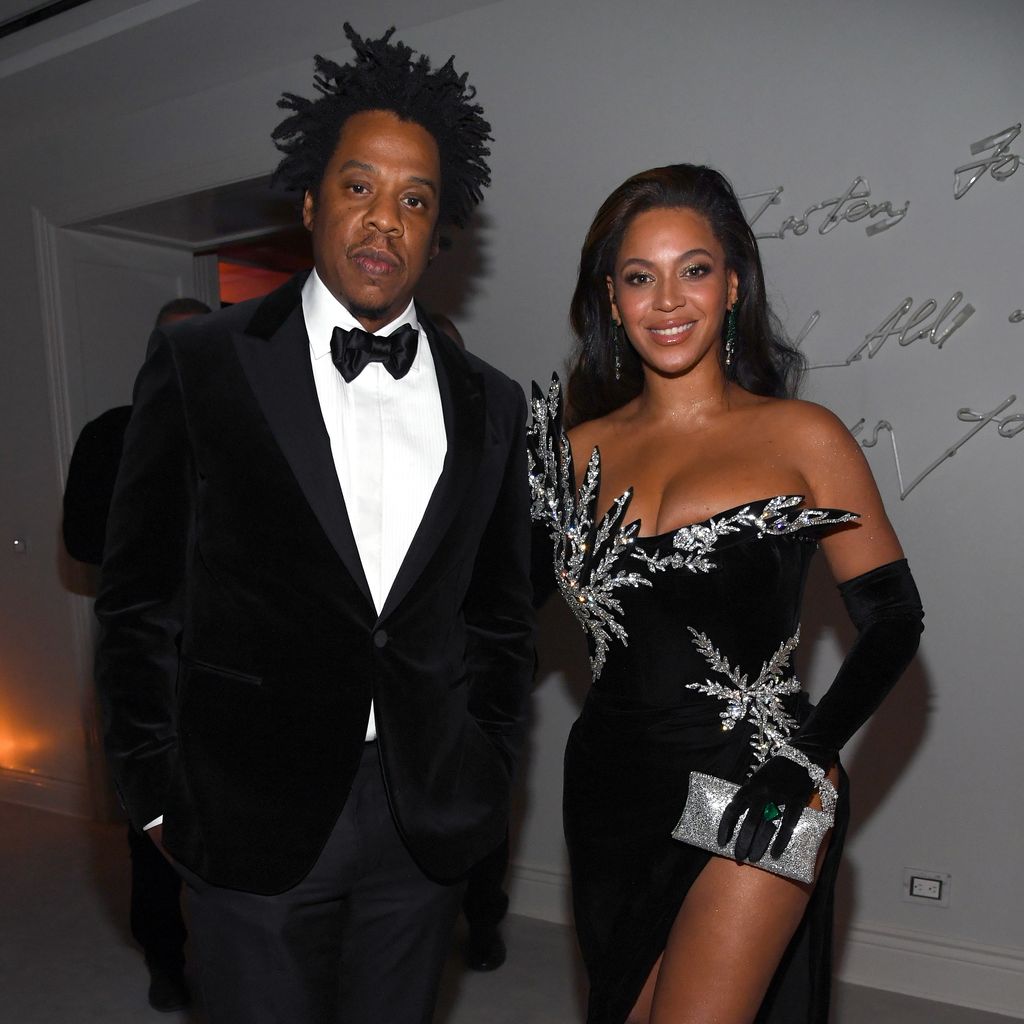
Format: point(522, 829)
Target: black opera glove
point(885, 607)
point(778, 785)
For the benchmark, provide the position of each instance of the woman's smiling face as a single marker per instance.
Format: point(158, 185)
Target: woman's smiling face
point(671, 289)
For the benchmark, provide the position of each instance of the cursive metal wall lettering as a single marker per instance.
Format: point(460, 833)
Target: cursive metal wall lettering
point(905, 331)
point(1007, 426)
point(812, 320)
point(1000, 164)
point(851, 206)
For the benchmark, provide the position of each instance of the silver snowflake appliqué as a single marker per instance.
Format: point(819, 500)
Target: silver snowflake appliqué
point(759, 702)
point(695, 544)
point(587, 551)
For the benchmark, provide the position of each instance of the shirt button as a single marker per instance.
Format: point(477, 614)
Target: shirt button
point(380, 638)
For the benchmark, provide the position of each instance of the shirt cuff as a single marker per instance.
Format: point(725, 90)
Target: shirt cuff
point(153, 823)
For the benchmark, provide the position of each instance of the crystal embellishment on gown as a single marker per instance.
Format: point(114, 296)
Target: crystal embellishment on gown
point(759, 702)
point(693, 544)
point(588, 552)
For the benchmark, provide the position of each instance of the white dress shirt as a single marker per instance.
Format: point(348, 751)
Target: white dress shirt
point(387, 438)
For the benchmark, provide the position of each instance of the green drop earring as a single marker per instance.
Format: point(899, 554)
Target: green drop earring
point(730, 335)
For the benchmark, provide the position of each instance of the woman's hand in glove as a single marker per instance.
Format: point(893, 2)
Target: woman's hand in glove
point(779, 784)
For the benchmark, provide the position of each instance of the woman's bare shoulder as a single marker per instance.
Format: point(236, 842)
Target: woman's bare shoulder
point(809, 418)
point(810, 431)
point(827, 455)
point(837, 474)
point(586, 436)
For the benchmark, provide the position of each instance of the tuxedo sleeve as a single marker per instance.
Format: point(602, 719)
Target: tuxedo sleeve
point(498, 608)
point(139, 605)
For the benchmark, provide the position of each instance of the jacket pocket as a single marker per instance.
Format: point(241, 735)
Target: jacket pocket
point(220, 670)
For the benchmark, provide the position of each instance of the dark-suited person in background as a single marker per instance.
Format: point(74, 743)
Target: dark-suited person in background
point(156, 920)
point(327, 500)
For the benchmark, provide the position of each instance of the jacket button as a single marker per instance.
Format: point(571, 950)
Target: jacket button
point(380, 638)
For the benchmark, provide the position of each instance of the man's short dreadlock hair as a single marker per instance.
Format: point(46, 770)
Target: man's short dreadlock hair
point(384, 76)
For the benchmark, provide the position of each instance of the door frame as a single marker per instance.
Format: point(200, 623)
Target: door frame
point(91, 797)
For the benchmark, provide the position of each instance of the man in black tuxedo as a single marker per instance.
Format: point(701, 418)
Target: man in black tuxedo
point(326, 500)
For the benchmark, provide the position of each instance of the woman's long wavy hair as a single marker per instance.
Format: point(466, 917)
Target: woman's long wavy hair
point(763, 362)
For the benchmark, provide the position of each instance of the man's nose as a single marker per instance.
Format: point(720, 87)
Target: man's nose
point(384, 214)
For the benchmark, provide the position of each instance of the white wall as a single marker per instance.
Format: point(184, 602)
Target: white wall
point(580, 95)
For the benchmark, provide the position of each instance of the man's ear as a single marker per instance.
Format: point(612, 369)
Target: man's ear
point(308, 210)
point(435, 244)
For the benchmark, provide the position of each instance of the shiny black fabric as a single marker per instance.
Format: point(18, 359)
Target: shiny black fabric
point(641, 733)
point(353, 350)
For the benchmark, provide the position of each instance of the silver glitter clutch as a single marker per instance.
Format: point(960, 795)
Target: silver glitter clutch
point(705, 805)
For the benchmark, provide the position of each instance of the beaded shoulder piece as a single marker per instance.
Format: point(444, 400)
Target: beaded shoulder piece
point(588, 562)
point(594, 558)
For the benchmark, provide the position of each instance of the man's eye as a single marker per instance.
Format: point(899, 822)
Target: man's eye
point(357, 188)
point(413, 201)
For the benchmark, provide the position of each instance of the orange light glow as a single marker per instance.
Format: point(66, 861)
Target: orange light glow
point(239, 282)
point(16, 745)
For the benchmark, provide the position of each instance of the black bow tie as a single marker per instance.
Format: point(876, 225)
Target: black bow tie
point(352, 351)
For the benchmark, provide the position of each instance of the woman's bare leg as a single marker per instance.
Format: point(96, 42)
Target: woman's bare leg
point(724, 947)
point(641, 1012)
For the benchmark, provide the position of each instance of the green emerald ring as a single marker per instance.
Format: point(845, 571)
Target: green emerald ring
point(771, 812)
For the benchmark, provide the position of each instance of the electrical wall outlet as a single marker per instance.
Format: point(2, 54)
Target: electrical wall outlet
point(926, 887)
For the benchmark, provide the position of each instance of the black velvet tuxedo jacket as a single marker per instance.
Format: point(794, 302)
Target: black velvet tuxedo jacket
point(240, 647)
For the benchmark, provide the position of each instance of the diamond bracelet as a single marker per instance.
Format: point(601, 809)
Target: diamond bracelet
point(829, 796)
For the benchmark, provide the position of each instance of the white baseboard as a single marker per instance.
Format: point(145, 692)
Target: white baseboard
point(927, 966)
point(912, 963)
point(541, 893)
point(57, 795)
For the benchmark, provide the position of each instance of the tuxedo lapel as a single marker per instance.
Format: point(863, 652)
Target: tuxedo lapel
point(462, 403)
point(274, 352)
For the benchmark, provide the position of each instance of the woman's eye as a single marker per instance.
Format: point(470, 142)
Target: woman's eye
point(639, 277)
point(697, 270)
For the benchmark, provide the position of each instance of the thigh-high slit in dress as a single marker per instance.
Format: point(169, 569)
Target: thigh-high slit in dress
point(691, 637)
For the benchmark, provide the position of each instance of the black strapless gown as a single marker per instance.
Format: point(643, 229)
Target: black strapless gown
point(691, 638)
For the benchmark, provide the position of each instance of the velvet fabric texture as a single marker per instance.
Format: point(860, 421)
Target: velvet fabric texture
point(885, 607)
point(642, 732)
point(240, 648)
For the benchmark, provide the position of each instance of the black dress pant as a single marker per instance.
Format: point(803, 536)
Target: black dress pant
point(486, 902)
point(361, 940)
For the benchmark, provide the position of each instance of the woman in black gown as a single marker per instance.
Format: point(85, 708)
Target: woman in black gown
point(681, 539)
